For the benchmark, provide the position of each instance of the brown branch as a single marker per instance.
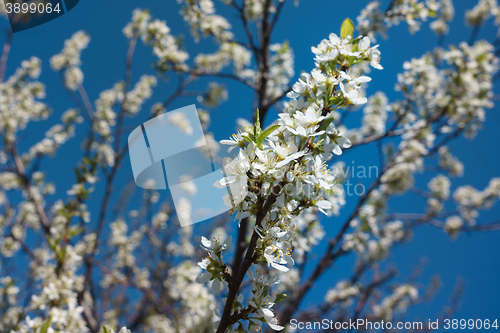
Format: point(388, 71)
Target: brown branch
point(264, 64)
point(377, 281)
point(180, 89)
point(265, 206)
point(128, 80)
point(226, 319)
point(21, 172)
point(241, 245)
point(262, 59)
point(220, 75)
point(74, 97)
point(248, 32)
point(5, 54)
point(86, 101)
point(89, 261)
point(325, 262)
point(378, 137)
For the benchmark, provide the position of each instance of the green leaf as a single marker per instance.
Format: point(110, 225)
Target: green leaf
point(280, 297)
point(249, 137)
point(52, 244)
point(265, 291)
point(74, 231)
point(325, 123)
point(62, 254)
point(335, 100)
point(256, 128)
point(46, 325)
point(78, 174)
point(347, 28)
point(105, 329)
point(266, 133)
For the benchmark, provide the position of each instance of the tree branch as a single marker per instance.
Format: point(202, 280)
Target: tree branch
point(5, 54)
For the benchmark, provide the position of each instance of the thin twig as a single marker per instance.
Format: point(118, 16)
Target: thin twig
point(5, 54)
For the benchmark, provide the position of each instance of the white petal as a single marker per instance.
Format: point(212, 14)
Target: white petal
point(363, 79)
point(299, 87)
point(280, 267)
point(336, 150)
point(344, 142)
point(276, 327)
point(228, 241)
point(203, 277)
point(364, 43)
point(290, 158)
point(301, 131)
point(318, 75)
point(317, 134)
point(360, 100)
point(216, 285)
point(342, 88)
point(205, 242)
point(267, 313)
point(281, 234)
point(225, 181)
point(324, 204)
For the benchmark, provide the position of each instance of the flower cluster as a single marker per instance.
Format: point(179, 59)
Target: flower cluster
point(105, 115)
point(481, 12)
point(308, 231)
point(453, 225)
point(157, 34)
point(375, 115)
point(197, 304)
point(89, 269)
point(69, 61)
point(449, 163)
point(446, 13)
point(57, 135)
point(281, 71)
point(58, 296)
point(439, 101)
point(343, 292)
point(396, 303)
point(475, 64)
point(215, 94)
point(142, 91)
point(20, 102)
point(469, 200)
point(372, 20)
point(373, 236)
point(227, 53)
point(285, 164)
point(254, 9)
point(262, 301)
point(439, 187)
point(214, 266)
point(442, 92)
point(200, 14)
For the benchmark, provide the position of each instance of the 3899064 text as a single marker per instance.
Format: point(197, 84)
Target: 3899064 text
point(32, 8)
point(473, 324)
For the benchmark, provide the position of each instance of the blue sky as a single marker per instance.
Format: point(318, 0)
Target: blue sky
point(472, 256)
